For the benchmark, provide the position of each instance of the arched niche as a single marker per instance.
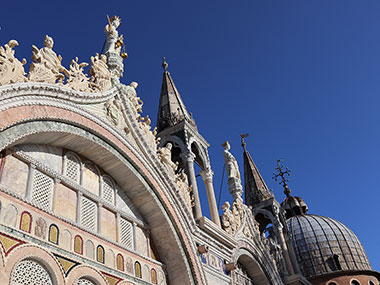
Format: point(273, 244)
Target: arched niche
point(61, 128)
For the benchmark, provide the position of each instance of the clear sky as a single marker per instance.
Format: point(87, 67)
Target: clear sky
point(301, 77)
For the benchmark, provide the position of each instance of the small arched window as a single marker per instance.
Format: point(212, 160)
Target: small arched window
point(26, 222)
point(355, 282)
point(371, 282)
point(53, 234)
point(78, 244)
point(153, 274)
point(108, 190)
point(100, 254)
point(332, 283)
point(120, 262)
point(72, 167)
point(138, 272)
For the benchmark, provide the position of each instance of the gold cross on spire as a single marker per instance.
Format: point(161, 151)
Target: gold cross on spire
point(282, 173)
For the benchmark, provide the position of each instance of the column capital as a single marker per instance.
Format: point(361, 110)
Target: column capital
point(207, 174)
point(188, 156)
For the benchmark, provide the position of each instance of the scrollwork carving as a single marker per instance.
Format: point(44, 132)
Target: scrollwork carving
point(77, 80)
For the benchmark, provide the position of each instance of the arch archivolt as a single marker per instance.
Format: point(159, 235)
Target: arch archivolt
point(64, 125)
point(84, 271)
point(257, 261)
point(37, 254)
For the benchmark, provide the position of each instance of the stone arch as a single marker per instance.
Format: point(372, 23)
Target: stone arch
point(254, 270)
point(84, 271)
point(257, 261)
point(31, 252)
point(62, 127)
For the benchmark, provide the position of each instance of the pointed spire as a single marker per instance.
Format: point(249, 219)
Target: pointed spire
point(256, 190)
point(171, 109)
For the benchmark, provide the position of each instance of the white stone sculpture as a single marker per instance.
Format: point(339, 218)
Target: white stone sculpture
point(228, 221)
point(11, 69)
point(232, 166)
point(184, 188)
point(233, 173)
point(78, 80)
point(112, 109)
point(46, 65)
point(100, 79)
point(165, 154)
point(114, 41)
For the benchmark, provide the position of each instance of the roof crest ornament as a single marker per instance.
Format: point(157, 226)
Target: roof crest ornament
point(164, 64)
point(282, 173)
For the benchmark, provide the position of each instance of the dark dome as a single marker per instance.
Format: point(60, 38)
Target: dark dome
point(323, 245)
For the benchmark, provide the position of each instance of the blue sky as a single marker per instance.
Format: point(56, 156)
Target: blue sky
point(301, 77)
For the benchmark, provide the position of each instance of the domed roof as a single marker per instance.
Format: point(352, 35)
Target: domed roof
point(323, 245)
point(294, 206)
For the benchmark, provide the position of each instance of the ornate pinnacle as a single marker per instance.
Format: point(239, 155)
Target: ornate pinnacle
point(164, 64)
point(281, 173)
point(243, 144)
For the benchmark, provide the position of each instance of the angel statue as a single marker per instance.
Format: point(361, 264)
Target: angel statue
point(46, 65)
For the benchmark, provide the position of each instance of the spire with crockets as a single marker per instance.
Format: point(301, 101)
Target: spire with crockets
point(256, 190)
point(171, 109)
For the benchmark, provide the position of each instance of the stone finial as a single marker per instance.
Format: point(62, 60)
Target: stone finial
point(164, 64)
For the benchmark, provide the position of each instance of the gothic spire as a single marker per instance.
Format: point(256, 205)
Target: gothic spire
point(171, 109)
point(256, 190)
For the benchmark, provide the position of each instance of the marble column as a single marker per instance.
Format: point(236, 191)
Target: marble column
point(279, 228)
point(188, 159)
point(207, 175)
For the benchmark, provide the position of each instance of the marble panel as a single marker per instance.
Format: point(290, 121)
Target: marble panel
point(65, 202)
point(15, 175)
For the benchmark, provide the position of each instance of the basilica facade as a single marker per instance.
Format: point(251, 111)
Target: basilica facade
point(91, 193)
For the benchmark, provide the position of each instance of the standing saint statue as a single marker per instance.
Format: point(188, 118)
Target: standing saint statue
point(232, 166)
point(233, 173)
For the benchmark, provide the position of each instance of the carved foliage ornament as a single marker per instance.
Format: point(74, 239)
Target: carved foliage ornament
point(11, 69)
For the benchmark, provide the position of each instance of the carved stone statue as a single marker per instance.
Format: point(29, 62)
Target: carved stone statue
point(112, 108)
point(46, 65)
point(228, 223)
point(165, 154)
point(77, 80)
point(100, 79)
point(232, 166)
point(233, 173)
point(113, 42)
point(185, 189)
point(11, 69)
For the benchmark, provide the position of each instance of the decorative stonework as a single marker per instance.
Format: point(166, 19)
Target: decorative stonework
point(77, 80)
point(100, 75)
point(239, 219)
point(11, 69)
point(184, 188)
point(46, 65)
